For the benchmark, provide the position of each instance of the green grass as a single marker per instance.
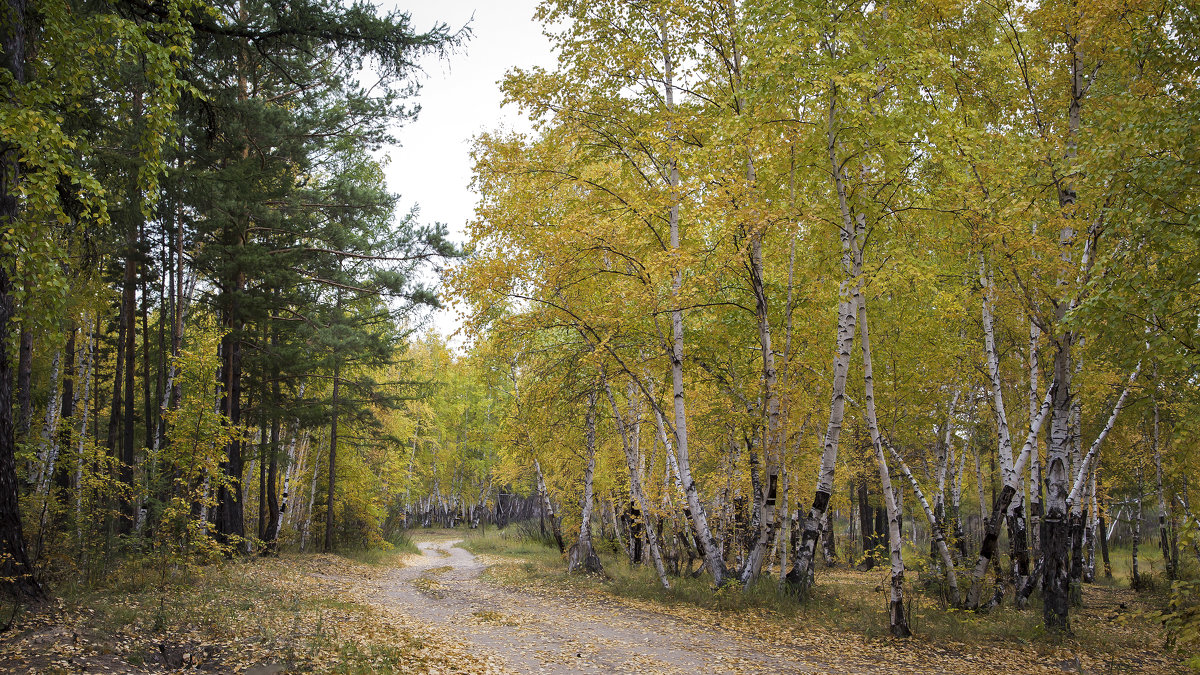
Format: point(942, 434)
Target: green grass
point(403, 543)
point(507, 542)
point(378, 557)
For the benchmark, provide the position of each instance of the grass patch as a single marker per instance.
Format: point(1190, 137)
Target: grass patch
point(378, 557)
point(508, 542)
point(403, 543)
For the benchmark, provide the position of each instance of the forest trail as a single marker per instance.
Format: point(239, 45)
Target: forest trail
point(532, 632)
point(551, 631)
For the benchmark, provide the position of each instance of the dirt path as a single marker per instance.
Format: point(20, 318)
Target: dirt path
point(551, 633)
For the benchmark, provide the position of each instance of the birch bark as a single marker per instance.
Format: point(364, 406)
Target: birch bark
point(936, 529)
point(802, 570)
point(716, 566)
point(991, 534)
point(1035, 463)
point(548, 507)
point(49, 441)
point(1163, 537)
point(898, 622)
point(625, 429)
point(582, 556)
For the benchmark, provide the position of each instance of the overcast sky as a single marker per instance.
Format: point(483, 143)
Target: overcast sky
point(460, 98)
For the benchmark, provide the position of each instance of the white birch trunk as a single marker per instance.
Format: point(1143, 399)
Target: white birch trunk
point(936, 529)
point(992, 524)
point(898, 621)
point(806, 553)
point(583, 556)
point(49, 441)
point(716, 566)
point(767, 509)
point(547, 506)
point(312, 496)
point(993, 364)
point(944, 452)
point(1074, 504)
point(1035, 463)
point(635, 483)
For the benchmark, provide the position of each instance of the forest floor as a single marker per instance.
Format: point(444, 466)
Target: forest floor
point(496, 603)
point(296, 613)
point(532, 619)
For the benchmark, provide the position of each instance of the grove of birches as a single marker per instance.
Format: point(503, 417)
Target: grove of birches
point(767, 286)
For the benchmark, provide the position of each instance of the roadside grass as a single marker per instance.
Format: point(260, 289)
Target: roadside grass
point(395, 557)
point(402, 543)
point(286, 614)
point(1110, 626)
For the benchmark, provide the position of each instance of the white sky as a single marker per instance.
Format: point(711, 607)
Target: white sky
point(459, 98)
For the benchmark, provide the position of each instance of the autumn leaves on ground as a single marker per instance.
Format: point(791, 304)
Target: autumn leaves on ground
point(500, 602)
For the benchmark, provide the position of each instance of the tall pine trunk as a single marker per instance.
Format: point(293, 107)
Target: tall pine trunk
point(25, 380)
point(274, 512)
point(16, 576)
point(333, 441)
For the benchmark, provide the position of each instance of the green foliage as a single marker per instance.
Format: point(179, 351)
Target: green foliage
point(1181, 616)
point(186, 471)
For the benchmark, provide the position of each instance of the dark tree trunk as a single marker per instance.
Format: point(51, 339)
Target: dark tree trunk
point(866, 527)
point(1103, 534)
point(333, 430)
point(25, 382)
point(989, 543)
point(147, 372)
point(166, 307)
point(228, 516)
point(128, 300)
point(114, 417)
point(1056, 535)
point(828, 540)
point(1075, 528)
point(1018, 542)
point(60, 474)
point(271, 536)
point(881, 528)
point(960, 535)
point(756, 487)
point(261, 526)
point(15, 572)
point(635, 532)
